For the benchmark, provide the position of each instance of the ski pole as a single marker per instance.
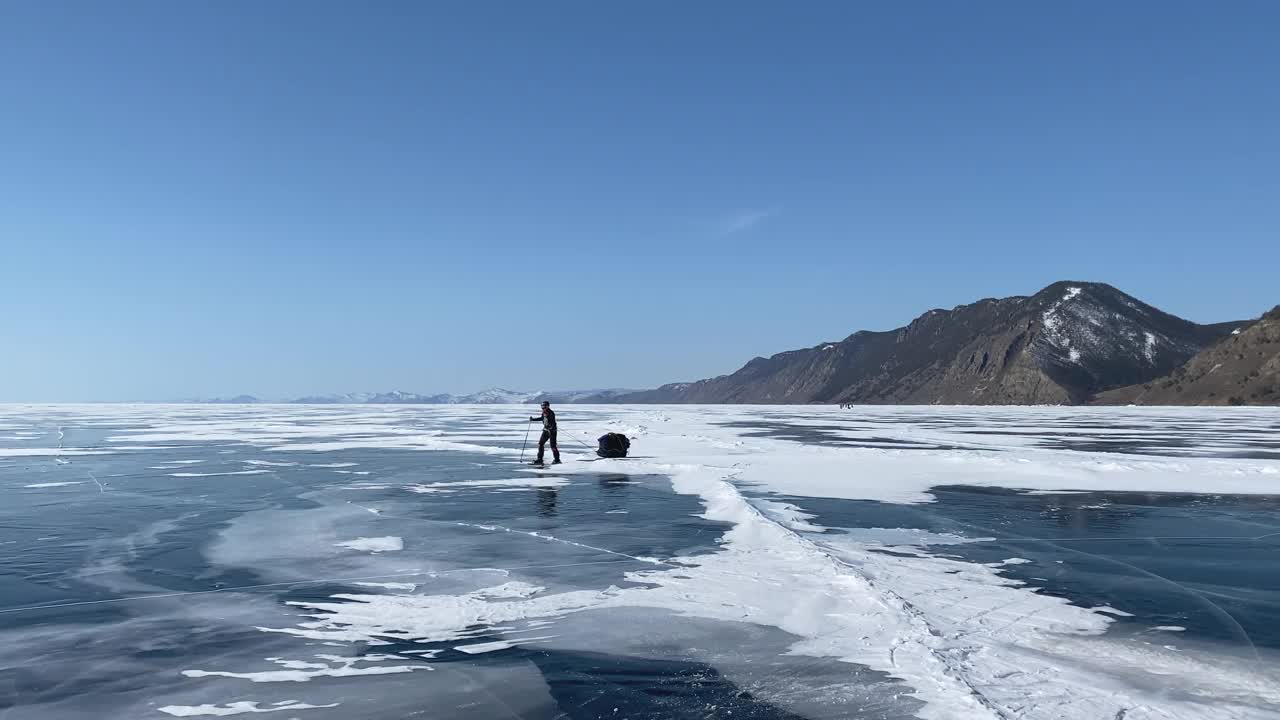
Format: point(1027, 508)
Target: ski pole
point(527, 427)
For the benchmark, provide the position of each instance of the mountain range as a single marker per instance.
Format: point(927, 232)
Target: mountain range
point(1070, 343)
point(492, 396)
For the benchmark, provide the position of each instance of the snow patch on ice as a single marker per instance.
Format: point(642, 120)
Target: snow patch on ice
point(488, 647)
point(480, 648)
point(47, 452)
point(389, 543)
point(53, 484)
point(405, 587)
point(789, 515)
point(303, 671)
point(435, 618)
point(236, 708)
point(1112, 611)
point(513, 589)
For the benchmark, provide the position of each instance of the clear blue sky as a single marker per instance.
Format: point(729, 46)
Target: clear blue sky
point(280, 198)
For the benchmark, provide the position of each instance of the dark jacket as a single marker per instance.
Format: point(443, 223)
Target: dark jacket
point(548, 419)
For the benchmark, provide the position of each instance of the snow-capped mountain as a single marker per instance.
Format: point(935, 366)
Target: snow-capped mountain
point(1094, 337)
point(607, 395)
point(395, 397)
point(495, 396)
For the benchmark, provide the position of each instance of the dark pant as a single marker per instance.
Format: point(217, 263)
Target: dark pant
point(542, 444)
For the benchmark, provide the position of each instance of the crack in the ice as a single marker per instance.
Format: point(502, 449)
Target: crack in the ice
point(552, 538)
point(949, 669)
point(295, 583)
point(1215, 608)
point(1022, 618)
point(1156, 538)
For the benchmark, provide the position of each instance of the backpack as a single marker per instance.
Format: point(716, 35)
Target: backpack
point(613, 445)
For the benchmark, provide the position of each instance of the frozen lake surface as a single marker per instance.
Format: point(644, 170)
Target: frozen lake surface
point(748, 562)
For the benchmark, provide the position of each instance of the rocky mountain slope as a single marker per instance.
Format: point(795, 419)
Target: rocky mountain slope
point(1064, 344)
point(1241, 369)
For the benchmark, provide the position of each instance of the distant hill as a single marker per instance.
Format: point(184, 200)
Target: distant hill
point(1070, 343)
point(1243, 368)
point(386, 398)
point(1061, 345)
point(492, 396)
point(586, 397)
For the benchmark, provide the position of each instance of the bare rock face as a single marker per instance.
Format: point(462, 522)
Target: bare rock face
point(1242, 368)
point(1064, 344)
